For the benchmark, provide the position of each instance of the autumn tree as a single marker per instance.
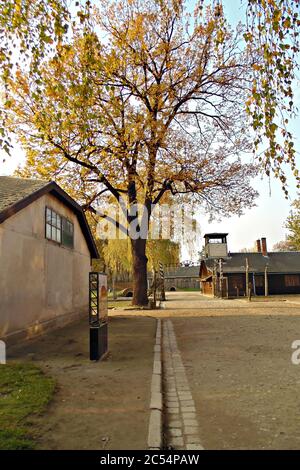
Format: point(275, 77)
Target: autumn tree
point(28, 31)
point(285, 245)
point(146, 101)
point(293, 226)
point(272, 36)
point(142, 100)
point(118, 258)
point(252, 249)
point(166, 252)
point(32, 29)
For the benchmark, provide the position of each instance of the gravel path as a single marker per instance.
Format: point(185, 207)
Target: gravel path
point(243, 382)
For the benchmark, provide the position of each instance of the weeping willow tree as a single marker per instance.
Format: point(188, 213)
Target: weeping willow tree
point(117, 254)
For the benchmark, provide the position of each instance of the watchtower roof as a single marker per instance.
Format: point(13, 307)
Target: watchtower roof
point(215, 235)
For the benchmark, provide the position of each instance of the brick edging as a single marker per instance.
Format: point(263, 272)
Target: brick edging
point(182, 430)
point(155, 432)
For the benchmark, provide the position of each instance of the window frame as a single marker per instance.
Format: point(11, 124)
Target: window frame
point(69, 224)
point(63, 220)
point(292, 280)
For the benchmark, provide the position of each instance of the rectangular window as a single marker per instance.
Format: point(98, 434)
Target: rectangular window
point(59, 229)
point(67, 233)
point(259, 281)
point(237, 282)
point(53, 225)
point(292, 280)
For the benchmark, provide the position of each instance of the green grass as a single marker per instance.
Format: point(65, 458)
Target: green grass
point(188, 289)
point(111, 294)
point(24, 391)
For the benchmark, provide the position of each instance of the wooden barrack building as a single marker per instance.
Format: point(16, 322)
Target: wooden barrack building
point(226, 274)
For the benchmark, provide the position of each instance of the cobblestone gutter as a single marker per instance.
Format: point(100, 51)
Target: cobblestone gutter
point(173, 422)
point(180, 421)
point(155, 434)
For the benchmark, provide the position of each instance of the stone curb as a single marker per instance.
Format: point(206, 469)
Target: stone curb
point(182, 423)
point(155, 432)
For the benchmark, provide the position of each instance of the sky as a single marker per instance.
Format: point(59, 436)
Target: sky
point(267, 219)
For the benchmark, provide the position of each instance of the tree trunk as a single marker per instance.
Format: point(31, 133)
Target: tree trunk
point(139, 258)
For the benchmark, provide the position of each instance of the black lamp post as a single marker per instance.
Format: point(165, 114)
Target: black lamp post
point(98, 315)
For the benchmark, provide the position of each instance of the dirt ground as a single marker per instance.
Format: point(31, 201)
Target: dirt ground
point(238, 361)
point(193, 304)
point(98, 405)
point(245, 387)
point(237, 356)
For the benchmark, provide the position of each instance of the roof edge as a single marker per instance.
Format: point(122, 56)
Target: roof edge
point(22, 203)
point(56, 190)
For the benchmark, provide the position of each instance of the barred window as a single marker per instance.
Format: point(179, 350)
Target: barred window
point(292, 280)
point(59, 229)
point(237, 282)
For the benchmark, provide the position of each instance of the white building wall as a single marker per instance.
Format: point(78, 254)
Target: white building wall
point(40, 281)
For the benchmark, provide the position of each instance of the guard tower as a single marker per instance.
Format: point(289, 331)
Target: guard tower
point(216, 245)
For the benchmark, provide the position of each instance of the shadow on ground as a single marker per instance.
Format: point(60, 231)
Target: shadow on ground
point(97, 405)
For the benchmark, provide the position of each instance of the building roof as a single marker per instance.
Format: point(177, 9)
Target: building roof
point(18, 193)
point(13, 190)
point(277, 262)
point(183, 271)
point(215, 235)
point(179, 272)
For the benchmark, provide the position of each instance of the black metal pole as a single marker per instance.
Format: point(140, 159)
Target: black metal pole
point(98, 315)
